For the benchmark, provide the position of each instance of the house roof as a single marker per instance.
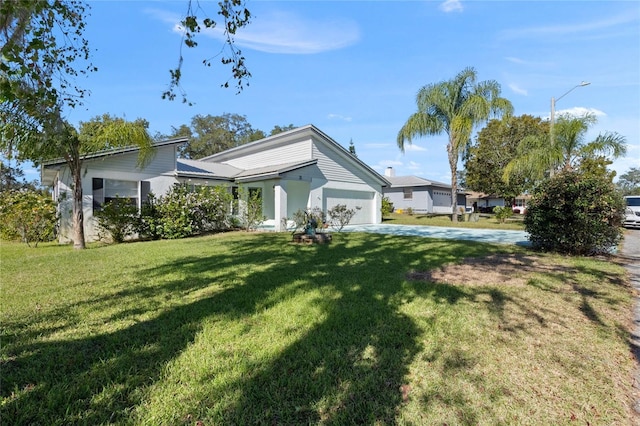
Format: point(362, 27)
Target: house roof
point(289, 136)
point(203, 169)
point(222, 171)
point(405, 181)
point(272, 171)
point(49, 167)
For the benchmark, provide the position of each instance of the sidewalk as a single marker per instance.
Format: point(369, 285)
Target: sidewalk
point(630, 256)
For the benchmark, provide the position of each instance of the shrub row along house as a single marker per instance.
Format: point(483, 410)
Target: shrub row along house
point(299, 169)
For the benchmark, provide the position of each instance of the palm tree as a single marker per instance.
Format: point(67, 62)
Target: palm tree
point(538, 155)
point(455, 107)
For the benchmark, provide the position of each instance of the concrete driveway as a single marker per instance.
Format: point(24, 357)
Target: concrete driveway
point(497, 236)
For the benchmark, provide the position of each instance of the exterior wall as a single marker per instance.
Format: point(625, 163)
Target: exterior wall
point(420, 200)
point(159, 173)
point(291, 153)
point(425, 199)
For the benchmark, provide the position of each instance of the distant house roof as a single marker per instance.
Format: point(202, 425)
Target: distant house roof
point(405, 181)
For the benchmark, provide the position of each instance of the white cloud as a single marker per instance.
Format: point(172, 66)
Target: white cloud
point(580, 111)
point(282, 32)
point(451, 6)
point(339, 117)
point(518, 90)
point(586, 28)
point(413, 147)
point(414, 166)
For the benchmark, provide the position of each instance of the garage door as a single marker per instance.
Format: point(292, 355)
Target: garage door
point(351, 199)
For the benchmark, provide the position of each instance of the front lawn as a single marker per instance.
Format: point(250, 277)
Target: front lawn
point(247, 328)
point(486, 221)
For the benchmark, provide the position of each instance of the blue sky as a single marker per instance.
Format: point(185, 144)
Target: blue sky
point(353, 68)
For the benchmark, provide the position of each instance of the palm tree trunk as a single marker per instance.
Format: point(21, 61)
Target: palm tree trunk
point(453, 165)
point(78, 214)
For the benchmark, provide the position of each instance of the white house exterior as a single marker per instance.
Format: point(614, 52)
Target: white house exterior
point(299, 169)
point(420, 195)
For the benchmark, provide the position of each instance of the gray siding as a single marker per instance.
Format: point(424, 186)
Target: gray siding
point(336, 168)
point(421, 199)
point(295, 152)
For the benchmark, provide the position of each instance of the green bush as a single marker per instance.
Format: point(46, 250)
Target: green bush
point(387, 207)
point(575, 214)
point(27, 215)
point(149, 224)
point(117, 219)
point(502, 213)
point(250, 211)
point(185, 211)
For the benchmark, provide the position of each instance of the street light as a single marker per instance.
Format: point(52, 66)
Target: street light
point(553, 111)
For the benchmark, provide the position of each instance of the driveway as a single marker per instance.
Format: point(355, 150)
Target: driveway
point(497, 236)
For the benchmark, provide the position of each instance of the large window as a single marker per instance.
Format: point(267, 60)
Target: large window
point(408, 193)
point(105, 190)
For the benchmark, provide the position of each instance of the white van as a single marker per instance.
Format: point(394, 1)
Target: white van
point(632, 212)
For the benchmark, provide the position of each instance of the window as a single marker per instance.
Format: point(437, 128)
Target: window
point(408, 193)
point(105, 190)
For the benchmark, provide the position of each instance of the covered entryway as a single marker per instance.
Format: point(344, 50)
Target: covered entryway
point(352, 199)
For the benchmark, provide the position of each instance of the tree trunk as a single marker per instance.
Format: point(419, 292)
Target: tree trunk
point(453, 164)
point(78, 213)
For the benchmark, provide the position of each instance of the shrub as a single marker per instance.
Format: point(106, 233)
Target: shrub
point(387, 207)
point(575, 214)
point(117, 218)
point(315, 218)
point(340, 216)
point(502, 213)
point(408, 211)
point(184, 212)
point(28, 215)
point(251, 209)
point(149, 224)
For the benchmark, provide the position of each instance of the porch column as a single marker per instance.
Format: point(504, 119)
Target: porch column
point(280, 203)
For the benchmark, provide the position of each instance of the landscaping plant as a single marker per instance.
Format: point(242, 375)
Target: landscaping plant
point(575, 213)
point(117, 220)
point(340, 216)
point(502, 213)
point(27, 215)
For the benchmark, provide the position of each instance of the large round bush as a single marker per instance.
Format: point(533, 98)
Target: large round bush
point(575, 213)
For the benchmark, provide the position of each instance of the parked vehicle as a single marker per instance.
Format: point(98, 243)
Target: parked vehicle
point(633, 202)
point(632, 213)
point(631, 218)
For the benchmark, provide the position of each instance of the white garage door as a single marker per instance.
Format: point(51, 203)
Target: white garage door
point(352, 199)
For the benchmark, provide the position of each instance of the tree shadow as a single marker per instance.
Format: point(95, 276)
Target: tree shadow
point(360, 350)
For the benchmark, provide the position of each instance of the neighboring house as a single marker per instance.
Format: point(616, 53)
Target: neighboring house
point(484, 203)
point(299, 169)
point(420, 195)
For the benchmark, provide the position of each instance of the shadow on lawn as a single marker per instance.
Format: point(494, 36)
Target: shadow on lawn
point(349, 368)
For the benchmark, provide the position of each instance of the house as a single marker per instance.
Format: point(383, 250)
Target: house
point(419, 194)
point(299, 169)
point(484, 203)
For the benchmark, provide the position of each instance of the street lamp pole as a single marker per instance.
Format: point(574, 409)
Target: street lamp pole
point(552, 117)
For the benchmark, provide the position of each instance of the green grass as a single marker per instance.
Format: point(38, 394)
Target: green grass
point(486, 221)
point(250, 329)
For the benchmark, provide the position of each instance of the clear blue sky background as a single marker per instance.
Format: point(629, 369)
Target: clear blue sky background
point(353, 68)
